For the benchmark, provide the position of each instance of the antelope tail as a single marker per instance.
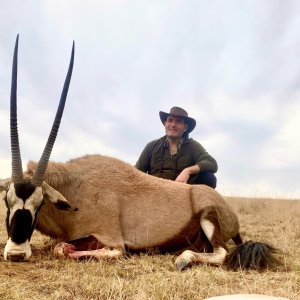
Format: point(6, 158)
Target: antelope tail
point(253, 255)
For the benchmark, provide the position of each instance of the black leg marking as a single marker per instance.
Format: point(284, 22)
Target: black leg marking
point(237, 239)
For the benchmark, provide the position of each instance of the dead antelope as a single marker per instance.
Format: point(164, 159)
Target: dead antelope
point(113, 208)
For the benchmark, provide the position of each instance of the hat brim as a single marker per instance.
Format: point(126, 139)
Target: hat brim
point(190, 121)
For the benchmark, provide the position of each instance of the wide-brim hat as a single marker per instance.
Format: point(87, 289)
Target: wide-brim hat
point(179, 112)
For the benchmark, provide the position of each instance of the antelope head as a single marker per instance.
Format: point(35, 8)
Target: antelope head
point(24, 197)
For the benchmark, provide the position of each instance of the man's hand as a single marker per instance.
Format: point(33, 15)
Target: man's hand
point(186, 173)
point(183, 176)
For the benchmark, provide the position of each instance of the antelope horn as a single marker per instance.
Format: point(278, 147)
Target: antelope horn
point(39, 174)
point(17, 172)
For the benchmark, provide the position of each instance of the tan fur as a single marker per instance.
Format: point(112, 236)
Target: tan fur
point(123, 207)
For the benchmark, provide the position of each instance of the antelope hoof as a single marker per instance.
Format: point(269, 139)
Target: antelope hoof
point(63, 250)
point(16, 257)
point(184, 260)
point(181, 265)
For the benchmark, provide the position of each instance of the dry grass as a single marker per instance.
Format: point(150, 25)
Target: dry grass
point(153, 276)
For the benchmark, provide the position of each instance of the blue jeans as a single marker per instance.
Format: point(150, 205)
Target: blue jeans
point(207, 178)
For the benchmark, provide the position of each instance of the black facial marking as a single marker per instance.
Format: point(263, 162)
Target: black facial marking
point(35, 219)
point(7, 213)
point(20, 228)
point(24, 190)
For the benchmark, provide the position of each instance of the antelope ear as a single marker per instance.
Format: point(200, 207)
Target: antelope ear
point(56, 198)
point(4, 184)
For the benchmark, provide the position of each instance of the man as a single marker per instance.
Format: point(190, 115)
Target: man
point(177, 157)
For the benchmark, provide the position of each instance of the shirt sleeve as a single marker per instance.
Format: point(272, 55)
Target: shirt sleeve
point(203, 159)
point(143, 163)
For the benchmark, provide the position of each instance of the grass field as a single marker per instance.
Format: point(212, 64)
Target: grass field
point(154, 276)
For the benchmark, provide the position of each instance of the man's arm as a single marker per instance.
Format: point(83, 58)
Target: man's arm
point(204, 163)
point(203, 159)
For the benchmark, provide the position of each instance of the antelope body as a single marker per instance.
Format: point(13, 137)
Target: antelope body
point(104, 207)
point(128, 209)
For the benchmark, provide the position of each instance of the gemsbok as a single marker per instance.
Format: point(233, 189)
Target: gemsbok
point(101, 207)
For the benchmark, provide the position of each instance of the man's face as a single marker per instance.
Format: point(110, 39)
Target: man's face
point(175, 126)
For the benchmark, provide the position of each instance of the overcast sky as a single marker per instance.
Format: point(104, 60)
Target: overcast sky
point(234, 65)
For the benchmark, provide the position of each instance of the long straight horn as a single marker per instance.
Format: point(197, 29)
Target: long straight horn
point(43, 163)
point(17, 172)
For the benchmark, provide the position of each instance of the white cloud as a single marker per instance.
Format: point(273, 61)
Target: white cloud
point(5, 168)
point(222, 106)
point(283, 148)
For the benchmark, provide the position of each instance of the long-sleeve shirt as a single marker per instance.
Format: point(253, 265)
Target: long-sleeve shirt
point(156, 158)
